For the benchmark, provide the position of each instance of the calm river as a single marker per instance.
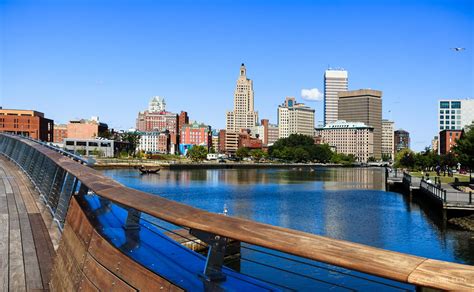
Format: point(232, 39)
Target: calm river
point(342, 203)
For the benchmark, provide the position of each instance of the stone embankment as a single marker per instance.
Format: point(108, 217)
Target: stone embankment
point(466, 223)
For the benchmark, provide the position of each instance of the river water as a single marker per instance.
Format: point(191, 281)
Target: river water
point(343, 203)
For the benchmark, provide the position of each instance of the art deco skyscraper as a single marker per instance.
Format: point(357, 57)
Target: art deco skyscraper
point(243, 116)
point(335, 80)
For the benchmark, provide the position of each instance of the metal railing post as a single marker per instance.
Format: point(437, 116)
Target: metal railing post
point(215, 255)
point(445, 196)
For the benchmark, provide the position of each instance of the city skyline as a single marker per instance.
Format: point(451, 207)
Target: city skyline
point(116, 67)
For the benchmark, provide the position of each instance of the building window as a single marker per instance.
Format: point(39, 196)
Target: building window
point(444, 104)
point(455, 104)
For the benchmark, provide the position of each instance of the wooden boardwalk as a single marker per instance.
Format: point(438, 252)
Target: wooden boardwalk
point(28, 235)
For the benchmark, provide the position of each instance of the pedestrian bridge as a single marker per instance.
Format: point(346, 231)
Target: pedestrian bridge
point(66, 227)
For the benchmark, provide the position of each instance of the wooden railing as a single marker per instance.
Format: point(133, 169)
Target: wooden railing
point(419, 271)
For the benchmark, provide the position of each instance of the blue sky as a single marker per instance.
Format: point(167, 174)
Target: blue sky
point(75, 58)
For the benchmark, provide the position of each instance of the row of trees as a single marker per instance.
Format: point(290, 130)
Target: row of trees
point(462, 153)
point(301, 148)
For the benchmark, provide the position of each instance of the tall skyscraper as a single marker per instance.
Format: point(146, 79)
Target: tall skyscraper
point(455, 114)
point(335, 80)
point(363, 105)
point(243, 116)
point(387, 139)
point(295, 118)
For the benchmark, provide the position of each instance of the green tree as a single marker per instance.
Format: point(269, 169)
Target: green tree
point(321, 153)
point(405, 158)
point(371, 159)
point(386, 157)
point(133, 139)
point(242, 153)
point(300, 148)
point(257, 154)
point(464, 149)
point(197, 153)
point(300, 154)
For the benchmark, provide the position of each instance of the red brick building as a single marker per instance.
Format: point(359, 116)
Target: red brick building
point(86, 129)
point(447, 140)
point(196, 134)
point(182, 120)
point(221, 139)
point(28, 123)
point(60, 133)
point(246, 140)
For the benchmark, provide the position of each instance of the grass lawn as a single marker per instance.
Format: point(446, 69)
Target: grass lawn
point(444, 179)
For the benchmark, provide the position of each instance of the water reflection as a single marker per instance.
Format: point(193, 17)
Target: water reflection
point(343, 203)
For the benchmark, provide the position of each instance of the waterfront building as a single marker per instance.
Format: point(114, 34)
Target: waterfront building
point(154, 142)
point(335, 81)
point(183, 119)
point(295, 118)
point(434, 144)
point(266, 132)
point(95, 147)
point(363, 105)
point(222, 135)
point(354, 138)
point(231, 142)
point(455, 114)
point(401, 140)
point(215, 142)
point(157, 119)
point(387, 139)
point(86, 129)
point(196, 134)
point(60, 133)
point(243, 116)
point(247, 141)
point(28, 123)
point(447, 140)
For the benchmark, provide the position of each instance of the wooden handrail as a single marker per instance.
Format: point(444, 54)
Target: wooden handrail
point(397, 266)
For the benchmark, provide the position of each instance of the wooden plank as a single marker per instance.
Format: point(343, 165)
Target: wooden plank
point(102, 278)
point(75, 245)
point(79, 223)
point(16, 268)
point(4, 246)
point(443, 275)
point(31, 266)
point(125, 268)
point(86, 285)
point(44, 249)
point(66, 275)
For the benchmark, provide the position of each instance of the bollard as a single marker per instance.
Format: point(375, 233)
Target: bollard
point(470, 197)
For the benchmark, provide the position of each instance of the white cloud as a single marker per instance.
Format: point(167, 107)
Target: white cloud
point(312, 94)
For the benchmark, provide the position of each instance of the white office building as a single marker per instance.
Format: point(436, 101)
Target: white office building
point(335, 80)
point(388, 139)
point(295, 118)
point(455, 114)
